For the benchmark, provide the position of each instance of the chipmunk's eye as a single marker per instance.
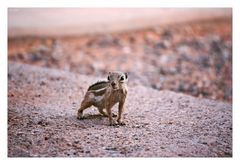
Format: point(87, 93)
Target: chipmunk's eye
point(122, 78)
point(108, 78)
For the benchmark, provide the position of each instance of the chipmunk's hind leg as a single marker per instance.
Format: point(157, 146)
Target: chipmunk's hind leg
point(102, 112)
point(86, 103)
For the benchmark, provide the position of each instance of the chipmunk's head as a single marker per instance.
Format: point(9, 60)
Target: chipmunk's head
point(117, 79)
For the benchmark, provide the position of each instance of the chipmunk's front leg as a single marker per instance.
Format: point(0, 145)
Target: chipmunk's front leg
point(111, 121)
point(120, 112)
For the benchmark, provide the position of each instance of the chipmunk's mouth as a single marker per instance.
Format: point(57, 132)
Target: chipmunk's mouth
point(114, 88)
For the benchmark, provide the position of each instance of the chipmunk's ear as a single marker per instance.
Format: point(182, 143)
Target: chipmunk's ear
point(126, 75)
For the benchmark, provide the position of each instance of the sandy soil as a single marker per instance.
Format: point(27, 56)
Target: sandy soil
point(42, 106)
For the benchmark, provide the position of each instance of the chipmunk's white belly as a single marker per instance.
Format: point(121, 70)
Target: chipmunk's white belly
point(98, 98)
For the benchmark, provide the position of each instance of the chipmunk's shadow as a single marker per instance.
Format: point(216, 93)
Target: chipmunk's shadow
point(95, 116)
point(92, 116)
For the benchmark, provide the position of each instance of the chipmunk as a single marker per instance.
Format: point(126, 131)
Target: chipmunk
point(105, 94)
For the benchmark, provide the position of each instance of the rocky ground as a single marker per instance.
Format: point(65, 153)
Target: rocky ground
point(47, 78)
point(193, 58)
point(42, 106)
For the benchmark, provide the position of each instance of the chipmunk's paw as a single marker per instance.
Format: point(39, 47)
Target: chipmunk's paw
point(121, 123)
point(81, 117)
point(113, 123)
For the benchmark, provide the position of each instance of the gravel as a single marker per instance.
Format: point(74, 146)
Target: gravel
point(42, 107)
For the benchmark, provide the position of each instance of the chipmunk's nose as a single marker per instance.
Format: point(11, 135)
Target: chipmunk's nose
point(113, 84)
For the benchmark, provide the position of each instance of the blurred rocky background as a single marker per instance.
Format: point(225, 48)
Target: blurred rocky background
point(183, 50)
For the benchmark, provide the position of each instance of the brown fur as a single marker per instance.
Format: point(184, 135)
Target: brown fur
point(105, 94)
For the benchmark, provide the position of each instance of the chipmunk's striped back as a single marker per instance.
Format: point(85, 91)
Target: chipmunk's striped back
point(98, 85)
